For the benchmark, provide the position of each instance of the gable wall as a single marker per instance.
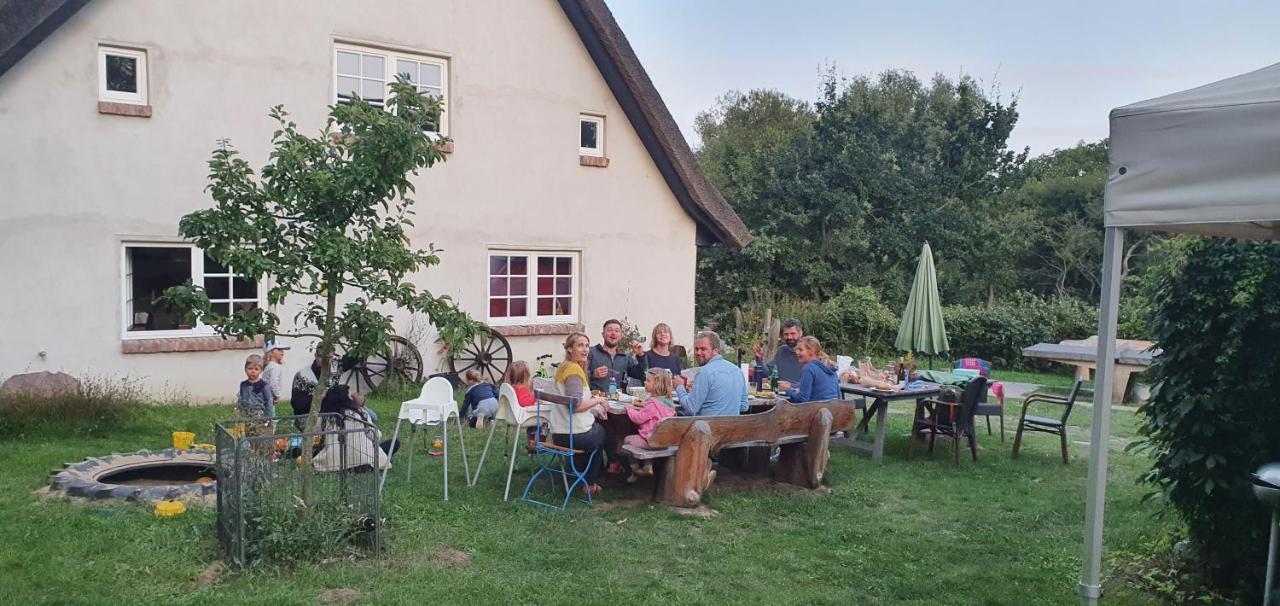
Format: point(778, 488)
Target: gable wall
point(77, 182)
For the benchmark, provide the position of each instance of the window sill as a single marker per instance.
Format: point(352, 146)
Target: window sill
point(124, 109)
point(596, 161)
point(534, 330)
point(186, 344)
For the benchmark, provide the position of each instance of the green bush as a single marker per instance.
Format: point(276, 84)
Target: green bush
point(98, 405)
point(862, 324)
point(999, 333)
point(854, 322)
point(746, 329)
point(1212, 419)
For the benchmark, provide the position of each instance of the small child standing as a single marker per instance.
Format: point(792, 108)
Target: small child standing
point(255, 397)
point(481, 402)
point(273, 372)
point(658, 406)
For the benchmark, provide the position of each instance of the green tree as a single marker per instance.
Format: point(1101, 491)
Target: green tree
point(325, 224)
point(752, 150)
point(847, 191)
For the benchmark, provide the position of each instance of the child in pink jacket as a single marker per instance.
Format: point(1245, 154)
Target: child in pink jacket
point(658, 406)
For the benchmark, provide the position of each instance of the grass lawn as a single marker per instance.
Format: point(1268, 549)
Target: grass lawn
point(923, 531)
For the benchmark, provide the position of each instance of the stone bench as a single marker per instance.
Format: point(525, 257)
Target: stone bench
point(684, 445)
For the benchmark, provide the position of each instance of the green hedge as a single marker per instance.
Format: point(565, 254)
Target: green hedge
point(854, 322)
point(1213, 418)
point(999, 333)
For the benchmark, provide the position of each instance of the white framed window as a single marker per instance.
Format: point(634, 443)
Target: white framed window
point(368, 72)
point(148, 268)
point(533, 287)
point(122, 75)
point(591, 135)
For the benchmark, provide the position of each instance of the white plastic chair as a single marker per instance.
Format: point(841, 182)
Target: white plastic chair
point(433, 406)
point(514, 416)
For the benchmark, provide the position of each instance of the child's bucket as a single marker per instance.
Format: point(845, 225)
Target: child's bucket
point(183, 440)
point(169, 509)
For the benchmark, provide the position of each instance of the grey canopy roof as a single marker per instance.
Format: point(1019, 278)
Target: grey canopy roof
point(1202, 161)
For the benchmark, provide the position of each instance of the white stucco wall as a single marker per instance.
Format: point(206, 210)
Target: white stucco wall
point(75, 184)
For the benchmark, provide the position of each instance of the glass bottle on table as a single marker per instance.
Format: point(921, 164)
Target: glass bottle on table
point(773, 380)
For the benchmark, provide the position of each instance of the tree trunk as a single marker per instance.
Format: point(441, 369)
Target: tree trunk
point(325, 349)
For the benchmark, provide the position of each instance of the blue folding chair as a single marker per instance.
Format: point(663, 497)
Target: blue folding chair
point(551, 458)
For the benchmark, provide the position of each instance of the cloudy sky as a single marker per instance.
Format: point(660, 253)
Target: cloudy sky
point(1068, 63)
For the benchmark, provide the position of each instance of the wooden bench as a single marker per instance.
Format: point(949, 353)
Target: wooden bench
point(685, 444)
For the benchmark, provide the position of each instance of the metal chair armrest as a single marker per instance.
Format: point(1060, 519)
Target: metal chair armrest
point(1043, 398)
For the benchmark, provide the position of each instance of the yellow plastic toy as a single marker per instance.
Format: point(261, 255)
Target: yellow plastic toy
point(183, 440)
point(169, 509)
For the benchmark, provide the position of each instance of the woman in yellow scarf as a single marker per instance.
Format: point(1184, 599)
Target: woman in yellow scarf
point(588, 436)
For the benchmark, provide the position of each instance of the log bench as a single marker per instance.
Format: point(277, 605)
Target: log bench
point(684, 445)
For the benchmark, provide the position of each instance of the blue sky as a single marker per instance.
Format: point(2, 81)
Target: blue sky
point(1068, 63)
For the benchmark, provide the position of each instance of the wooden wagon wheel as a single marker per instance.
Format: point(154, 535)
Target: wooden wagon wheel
point(489, 353)
point(399, 360)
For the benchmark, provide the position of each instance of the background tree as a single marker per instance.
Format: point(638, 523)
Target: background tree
point(846, 192)
point(324, 226)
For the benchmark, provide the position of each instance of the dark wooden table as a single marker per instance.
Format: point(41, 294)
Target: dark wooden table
point(879, 408)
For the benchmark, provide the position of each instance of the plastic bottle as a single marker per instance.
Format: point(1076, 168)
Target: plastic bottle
point(613, 388)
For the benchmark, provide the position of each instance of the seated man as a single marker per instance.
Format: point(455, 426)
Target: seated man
point(719, 389)
point(789, 367)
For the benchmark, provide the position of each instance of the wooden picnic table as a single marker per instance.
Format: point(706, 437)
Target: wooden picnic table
point(1131, 357)
point(879, 408)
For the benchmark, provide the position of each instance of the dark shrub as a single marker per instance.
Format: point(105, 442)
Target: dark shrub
point(1213, 419)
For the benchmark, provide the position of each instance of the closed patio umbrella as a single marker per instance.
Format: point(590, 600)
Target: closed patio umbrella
point(922, 330)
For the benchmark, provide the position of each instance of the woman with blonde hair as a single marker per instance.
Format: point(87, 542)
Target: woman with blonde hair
point(659, 354)
point(588, 436)
point(818, 380)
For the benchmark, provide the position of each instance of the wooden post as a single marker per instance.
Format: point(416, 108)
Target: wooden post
point(804, 464)
point(689, 475)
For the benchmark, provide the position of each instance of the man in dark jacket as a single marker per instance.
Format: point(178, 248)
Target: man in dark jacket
point(785, 358)
point(607, 361)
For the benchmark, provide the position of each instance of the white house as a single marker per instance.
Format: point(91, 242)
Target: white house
point(109, 110)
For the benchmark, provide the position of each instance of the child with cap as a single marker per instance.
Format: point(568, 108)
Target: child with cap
point(273, 372)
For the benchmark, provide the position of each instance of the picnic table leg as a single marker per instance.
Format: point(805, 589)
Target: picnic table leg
point(757, 459)
point(882, 409)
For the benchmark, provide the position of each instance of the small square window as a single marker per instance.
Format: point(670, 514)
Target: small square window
point(591, 135)
point(122, 75)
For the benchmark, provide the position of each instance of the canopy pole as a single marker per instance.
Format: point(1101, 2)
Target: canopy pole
point(1090, 577)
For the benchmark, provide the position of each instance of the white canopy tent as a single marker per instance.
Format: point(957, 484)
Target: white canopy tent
point(1203, 161)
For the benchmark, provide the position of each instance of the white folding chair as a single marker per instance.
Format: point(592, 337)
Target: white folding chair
point(433, 406)
point(514, 416)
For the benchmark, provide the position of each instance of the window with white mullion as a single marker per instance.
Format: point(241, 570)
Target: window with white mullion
point(370, 72)
point(149, 268)
point(532, 287)
point(361, 74)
